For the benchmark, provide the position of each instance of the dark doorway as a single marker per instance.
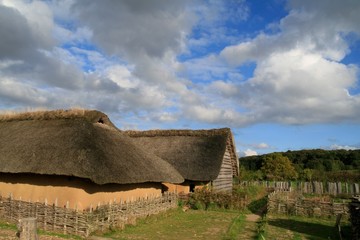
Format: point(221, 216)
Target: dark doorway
point(192, 187)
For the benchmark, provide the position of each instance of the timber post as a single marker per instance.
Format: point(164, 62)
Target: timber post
point(27, 229)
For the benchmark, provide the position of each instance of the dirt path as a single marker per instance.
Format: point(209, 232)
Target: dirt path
point(250, 229)
point(252, 217)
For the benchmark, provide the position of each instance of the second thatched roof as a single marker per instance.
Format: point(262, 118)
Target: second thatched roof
point(83, 144)
point(196, 154)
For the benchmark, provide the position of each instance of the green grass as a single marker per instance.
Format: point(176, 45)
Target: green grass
point(176, 224)
point(295, 227)
point(13, 228)
point(235, 227)
point(65, 236)
point(251, 192)
point(8, 226)
point(220, 224)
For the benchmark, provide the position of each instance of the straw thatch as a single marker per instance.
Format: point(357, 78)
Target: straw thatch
point(84, 144)
point(196, 154)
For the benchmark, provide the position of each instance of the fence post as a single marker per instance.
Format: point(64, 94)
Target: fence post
point(66, 216)
point(45, 214)
point(76, 218)
point(27, 229)
point(54, 218)
point(10, 206)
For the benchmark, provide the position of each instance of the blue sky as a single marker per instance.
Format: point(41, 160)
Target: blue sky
point(283, 75)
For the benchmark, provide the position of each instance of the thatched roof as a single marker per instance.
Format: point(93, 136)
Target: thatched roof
point(82, 144)
point(196, 154)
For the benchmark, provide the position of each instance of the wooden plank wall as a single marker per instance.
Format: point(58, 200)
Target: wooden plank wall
point(230, 146)
point(224, 181)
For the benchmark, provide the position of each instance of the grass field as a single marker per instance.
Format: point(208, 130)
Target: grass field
point(215, 225)
point(228, 225)
point(296, 228)
point(176, 224)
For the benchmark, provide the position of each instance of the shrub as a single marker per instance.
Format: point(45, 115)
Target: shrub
point(206, 199)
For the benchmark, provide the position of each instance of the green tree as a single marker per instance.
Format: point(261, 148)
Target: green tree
point(308, 174)
point(278, 167)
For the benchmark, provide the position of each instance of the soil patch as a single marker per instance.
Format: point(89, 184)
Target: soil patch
point(252, 217)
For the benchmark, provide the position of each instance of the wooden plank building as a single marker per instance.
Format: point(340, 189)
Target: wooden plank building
point(202, 157)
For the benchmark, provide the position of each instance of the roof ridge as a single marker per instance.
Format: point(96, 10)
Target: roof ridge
point(49, 115)
point(177, 132)
point(42, 114)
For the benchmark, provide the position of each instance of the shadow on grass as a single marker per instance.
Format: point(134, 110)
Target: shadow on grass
point(315, 231)
point(258, 206)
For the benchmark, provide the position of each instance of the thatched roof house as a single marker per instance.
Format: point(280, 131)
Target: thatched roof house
point(198, 155)
point(77, 144)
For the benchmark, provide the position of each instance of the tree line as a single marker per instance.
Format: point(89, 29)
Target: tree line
point(308, 165)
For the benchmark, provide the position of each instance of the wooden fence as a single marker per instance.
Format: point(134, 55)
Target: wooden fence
point(281, 202)
point(82, 223)
point(331, 188)
point(355, 217)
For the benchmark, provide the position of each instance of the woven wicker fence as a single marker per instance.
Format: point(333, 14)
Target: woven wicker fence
point(82, 223)
point(332, 188)
point(287, 203)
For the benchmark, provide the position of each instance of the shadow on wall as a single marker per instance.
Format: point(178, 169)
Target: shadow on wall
point(72, 182)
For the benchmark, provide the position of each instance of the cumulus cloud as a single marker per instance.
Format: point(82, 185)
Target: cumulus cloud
point(250, 152)
point(297, 87)
point(211, 29)
point(137, 27)
point(27, 40)
point(213, 114)
point(128, 56)
point(13, 92)
point(39, 21)
point(299, 77)
point(226, 89)
point(261, 146)
point(17, 39)
point(49, 60)
point(344, 147)
point(319, 28)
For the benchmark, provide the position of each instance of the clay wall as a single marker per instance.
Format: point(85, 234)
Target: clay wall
point(77, 193)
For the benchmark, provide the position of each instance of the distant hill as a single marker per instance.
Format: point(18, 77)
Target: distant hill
point(318, 159)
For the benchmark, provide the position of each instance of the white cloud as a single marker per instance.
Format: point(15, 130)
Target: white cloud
point(250, 152)
point(299, 77)
point(80, 35)
point(345, 147)
point(13, 92)
point(124, 56)
point(137, 28)
point(39, 18)
point(317, 28)
point(262, 146)
point(203, 113)
point(214, 18)
point(297, 87)
point(226, 89)
point(166, 117)
point(122, 76)
point(212, 114)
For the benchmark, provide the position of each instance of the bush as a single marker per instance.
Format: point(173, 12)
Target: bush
point(205, 199)
point(249, 192)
